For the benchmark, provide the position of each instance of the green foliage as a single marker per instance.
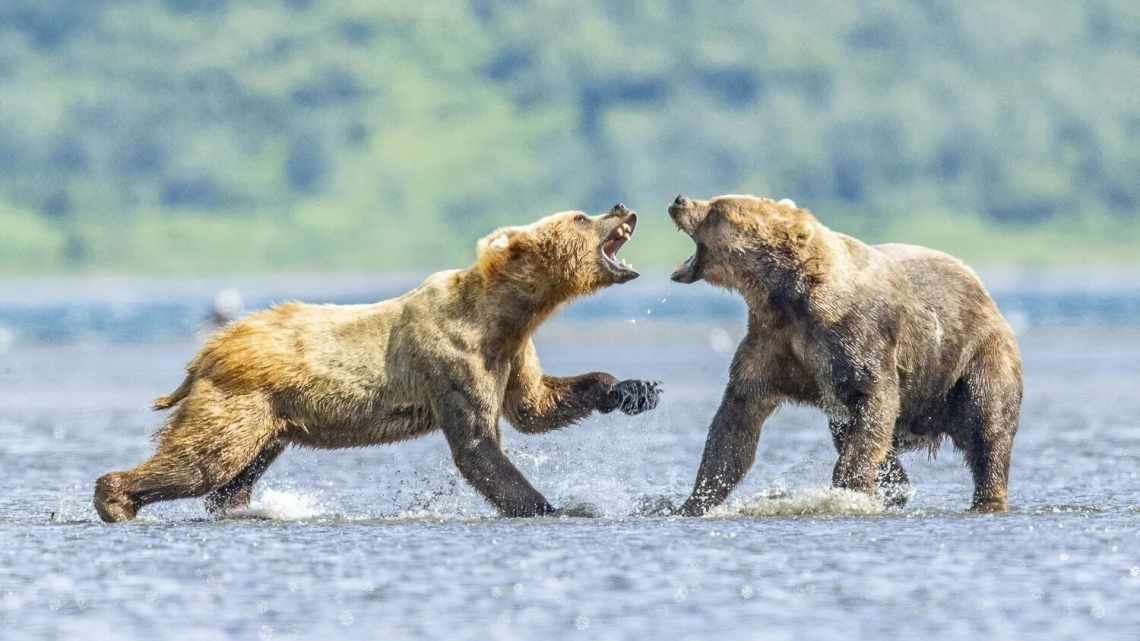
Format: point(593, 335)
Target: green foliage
point(194, 136)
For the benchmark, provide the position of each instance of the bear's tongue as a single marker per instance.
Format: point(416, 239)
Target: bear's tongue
point(612, 246)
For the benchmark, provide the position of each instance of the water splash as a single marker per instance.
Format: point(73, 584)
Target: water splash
point(280, 505)
point(808, 502)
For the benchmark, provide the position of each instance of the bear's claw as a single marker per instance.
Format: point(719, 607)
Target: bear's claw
point(632, 397)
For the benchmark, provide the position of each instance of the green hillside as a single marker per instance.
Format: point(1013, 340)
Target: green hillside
point(194, 136)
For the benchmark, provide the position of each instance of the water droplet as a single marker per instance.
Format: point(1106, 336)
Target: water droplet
point(1134, 571)
point(746, 591)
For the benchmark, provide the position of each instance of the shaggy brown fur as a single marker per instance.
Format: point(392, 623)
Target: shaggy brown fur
point(898, 344)
point(454, 355)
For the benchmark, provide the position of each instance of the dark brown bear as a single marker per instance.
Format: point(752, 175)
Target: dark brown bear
point(899, 345)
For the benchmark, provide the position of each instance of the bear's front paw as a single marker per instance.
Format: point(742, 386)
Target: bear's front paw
point(631, 397)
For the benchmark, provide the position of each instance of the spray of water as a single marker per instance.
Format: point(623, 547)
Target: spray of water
point(280, 505)
point(805, 502)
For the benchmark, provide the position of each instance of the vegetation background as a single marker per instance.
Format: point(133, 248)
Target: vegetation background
point(189, 137)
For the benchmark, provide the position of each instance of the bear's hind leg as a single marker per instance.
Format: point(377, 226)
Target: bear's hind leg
point(237, 493)
point(113, 501)
point(986, 422)
point(120, 495)
point(209, 441)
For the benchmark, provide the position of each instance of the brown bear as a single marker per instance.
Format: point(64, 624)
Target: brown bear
point(899, 345)
point(455, 355)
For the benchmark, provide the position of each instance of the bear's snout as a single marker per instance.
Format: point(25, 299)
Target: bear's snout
point(686, 214)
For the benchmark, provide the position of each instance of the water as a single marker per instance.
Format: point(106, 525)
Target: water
point(389, 543)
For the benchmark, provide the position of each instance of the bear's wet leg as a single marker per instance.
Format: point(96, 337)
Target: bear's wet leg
point(237, 493)
point(730, 448)
point(211, 439)
point(172, 473)
point(866, 441)
point(473, 436)
point(988, 413)
point(859, 464)
point(488, 470)
point(988, 446)
point(113, 500)
point(989, 463)
point(120, 495)
point(894, 484)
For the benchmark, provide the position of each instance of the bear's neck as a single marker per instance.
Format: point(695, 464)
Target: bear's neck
point(801, 286)
point(510, 310)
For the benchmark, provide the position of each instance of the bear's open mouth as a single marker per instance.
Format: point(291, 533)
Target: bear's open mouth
point(613, 244)
point(690, 270)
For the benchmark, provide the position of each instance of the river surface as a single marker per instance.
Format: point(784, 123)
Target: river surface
point(389, 543)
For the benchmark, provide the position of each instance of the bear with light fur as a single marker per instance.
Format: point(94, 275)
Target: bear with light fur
point(454, 355)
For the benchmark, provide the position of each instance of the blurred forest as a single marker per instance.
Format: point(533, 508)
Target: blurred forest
point(183, 137)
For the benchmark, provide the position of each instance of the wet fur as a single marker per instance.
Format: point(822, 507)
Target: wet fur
point(901, 346)
point(454, 355)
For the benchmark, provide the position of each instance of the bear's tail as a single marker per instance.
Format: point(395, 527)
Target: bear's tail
point(175, 397)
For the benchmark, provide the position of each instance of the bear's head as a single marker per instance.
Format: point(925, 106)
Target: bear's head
point(745, 242)
point(562, 255)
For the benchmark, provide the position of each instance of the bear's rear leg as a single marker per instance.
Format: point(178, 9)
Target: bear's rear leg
point(120, 495)
point(112, 500)
point(172, 473)
point(988, 414)
point(237, 493)
point(988, 455)
point(211, 439)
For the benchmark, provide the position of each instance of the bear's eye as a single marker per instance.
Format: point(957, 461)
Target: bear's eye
point(581, 218)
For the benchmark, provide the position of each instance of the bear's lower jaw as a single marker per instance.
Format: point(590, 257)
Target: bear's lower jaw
point(619, 271)
point(688, 272)
point(619, 277)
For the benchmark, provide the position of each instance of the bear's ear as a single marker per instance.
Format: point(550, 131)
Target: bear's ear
point(801, 232)
point(787, 202)
point(502, 241)
point(498, 242)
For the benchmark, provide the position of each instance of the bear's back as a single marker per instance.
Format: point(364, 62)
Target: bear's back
point(952, 304)
point(937, 276)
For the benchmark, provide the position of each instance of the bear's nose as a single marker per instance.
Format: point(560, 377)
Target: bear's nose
point(620, 208)
point(680, 200)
